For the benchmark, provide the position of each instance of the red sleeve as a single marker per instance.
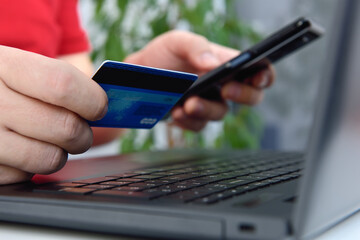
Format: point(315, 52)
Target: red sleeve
point(73, 37)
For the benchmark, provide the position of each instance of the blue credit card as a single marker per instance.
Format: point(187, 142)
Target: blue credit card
point(139, 96)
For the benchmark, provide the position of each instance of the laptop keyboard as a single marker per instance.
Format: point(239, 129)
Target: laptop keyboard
point(203, 181)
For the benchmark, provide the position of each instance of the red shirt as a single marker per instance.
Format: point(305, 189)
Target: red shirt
point(48, 27)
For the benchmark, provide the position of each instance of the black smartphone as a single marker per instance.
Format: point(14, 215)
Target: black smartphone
point(278, 45)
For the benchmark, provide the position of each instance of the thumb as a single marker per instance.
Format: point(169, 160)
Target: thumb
point(194, 48)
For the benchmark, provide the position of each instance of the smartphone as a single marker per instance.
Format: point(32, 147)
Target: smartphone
point(278, 45)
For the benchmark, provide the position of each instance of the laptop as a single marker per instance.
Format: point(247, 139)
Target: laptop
point(218, 194)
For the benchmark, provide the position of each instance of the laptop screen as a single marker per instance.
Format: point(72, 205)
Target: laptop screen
point(328, 192)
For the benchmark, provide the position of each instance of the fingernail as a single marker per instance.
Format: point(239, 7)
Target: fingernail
point(104, 112)
point(264, 81)
point(209, 59)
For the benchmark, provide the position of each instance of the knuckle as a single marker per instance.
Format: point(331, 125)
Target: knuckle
point(60, 83)
point(72, 127)
point(175, 33)
point(185, 36)
point(55, 159)
point(50, 158)
point(201, 39)
point(172, 36)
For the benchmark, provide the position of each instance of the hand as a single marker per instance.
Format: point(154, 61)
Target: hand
point(185, 51)
point(43, 104)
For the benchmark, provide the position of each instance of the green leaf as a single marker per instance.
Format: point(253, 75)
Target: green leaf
point(113, 48)
point(122, 4)
point(128, 142)
point(159, 25)
point(98, 6)
point(148, 143)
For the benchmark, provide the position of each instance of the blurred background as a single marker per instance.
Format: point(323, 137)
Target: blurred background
point(282, 121)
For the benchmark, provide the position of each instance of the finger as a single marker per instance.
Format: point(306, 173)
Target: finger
point(35, 119)
point(263, 79)
point(182, 120)
point(223, 53)
point(52, 81)
point(9, 175)
point(30, 155)
point(197, 49)
point(196, 107)
point(241, 93)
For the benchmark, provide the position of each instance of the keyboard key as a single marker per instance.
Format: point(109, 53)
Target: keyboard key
point(245, 188)
point(155, 191)
point(115, 183)
point(203, 182)
point(81, 191)
point(94, 180)
point(208, 190)
point(98, 186)
point(234, 192)
point(178, 197)
point(70, 184)
point(125, 194)
point(160, 181)
point(123, 175)
point(145, 177)
point(128, 188)
point(207, 200)
point(143, 185)
point(133, 180)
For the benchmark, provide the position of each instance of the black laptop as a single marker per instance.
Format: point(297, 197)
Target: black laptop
point(218, 194)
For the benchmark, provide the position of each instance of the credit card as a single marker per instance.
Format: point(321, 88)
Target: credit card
point(139, 96)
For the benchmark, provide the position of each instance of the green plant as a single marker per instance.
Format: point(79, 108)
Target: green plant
point(126, 26)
